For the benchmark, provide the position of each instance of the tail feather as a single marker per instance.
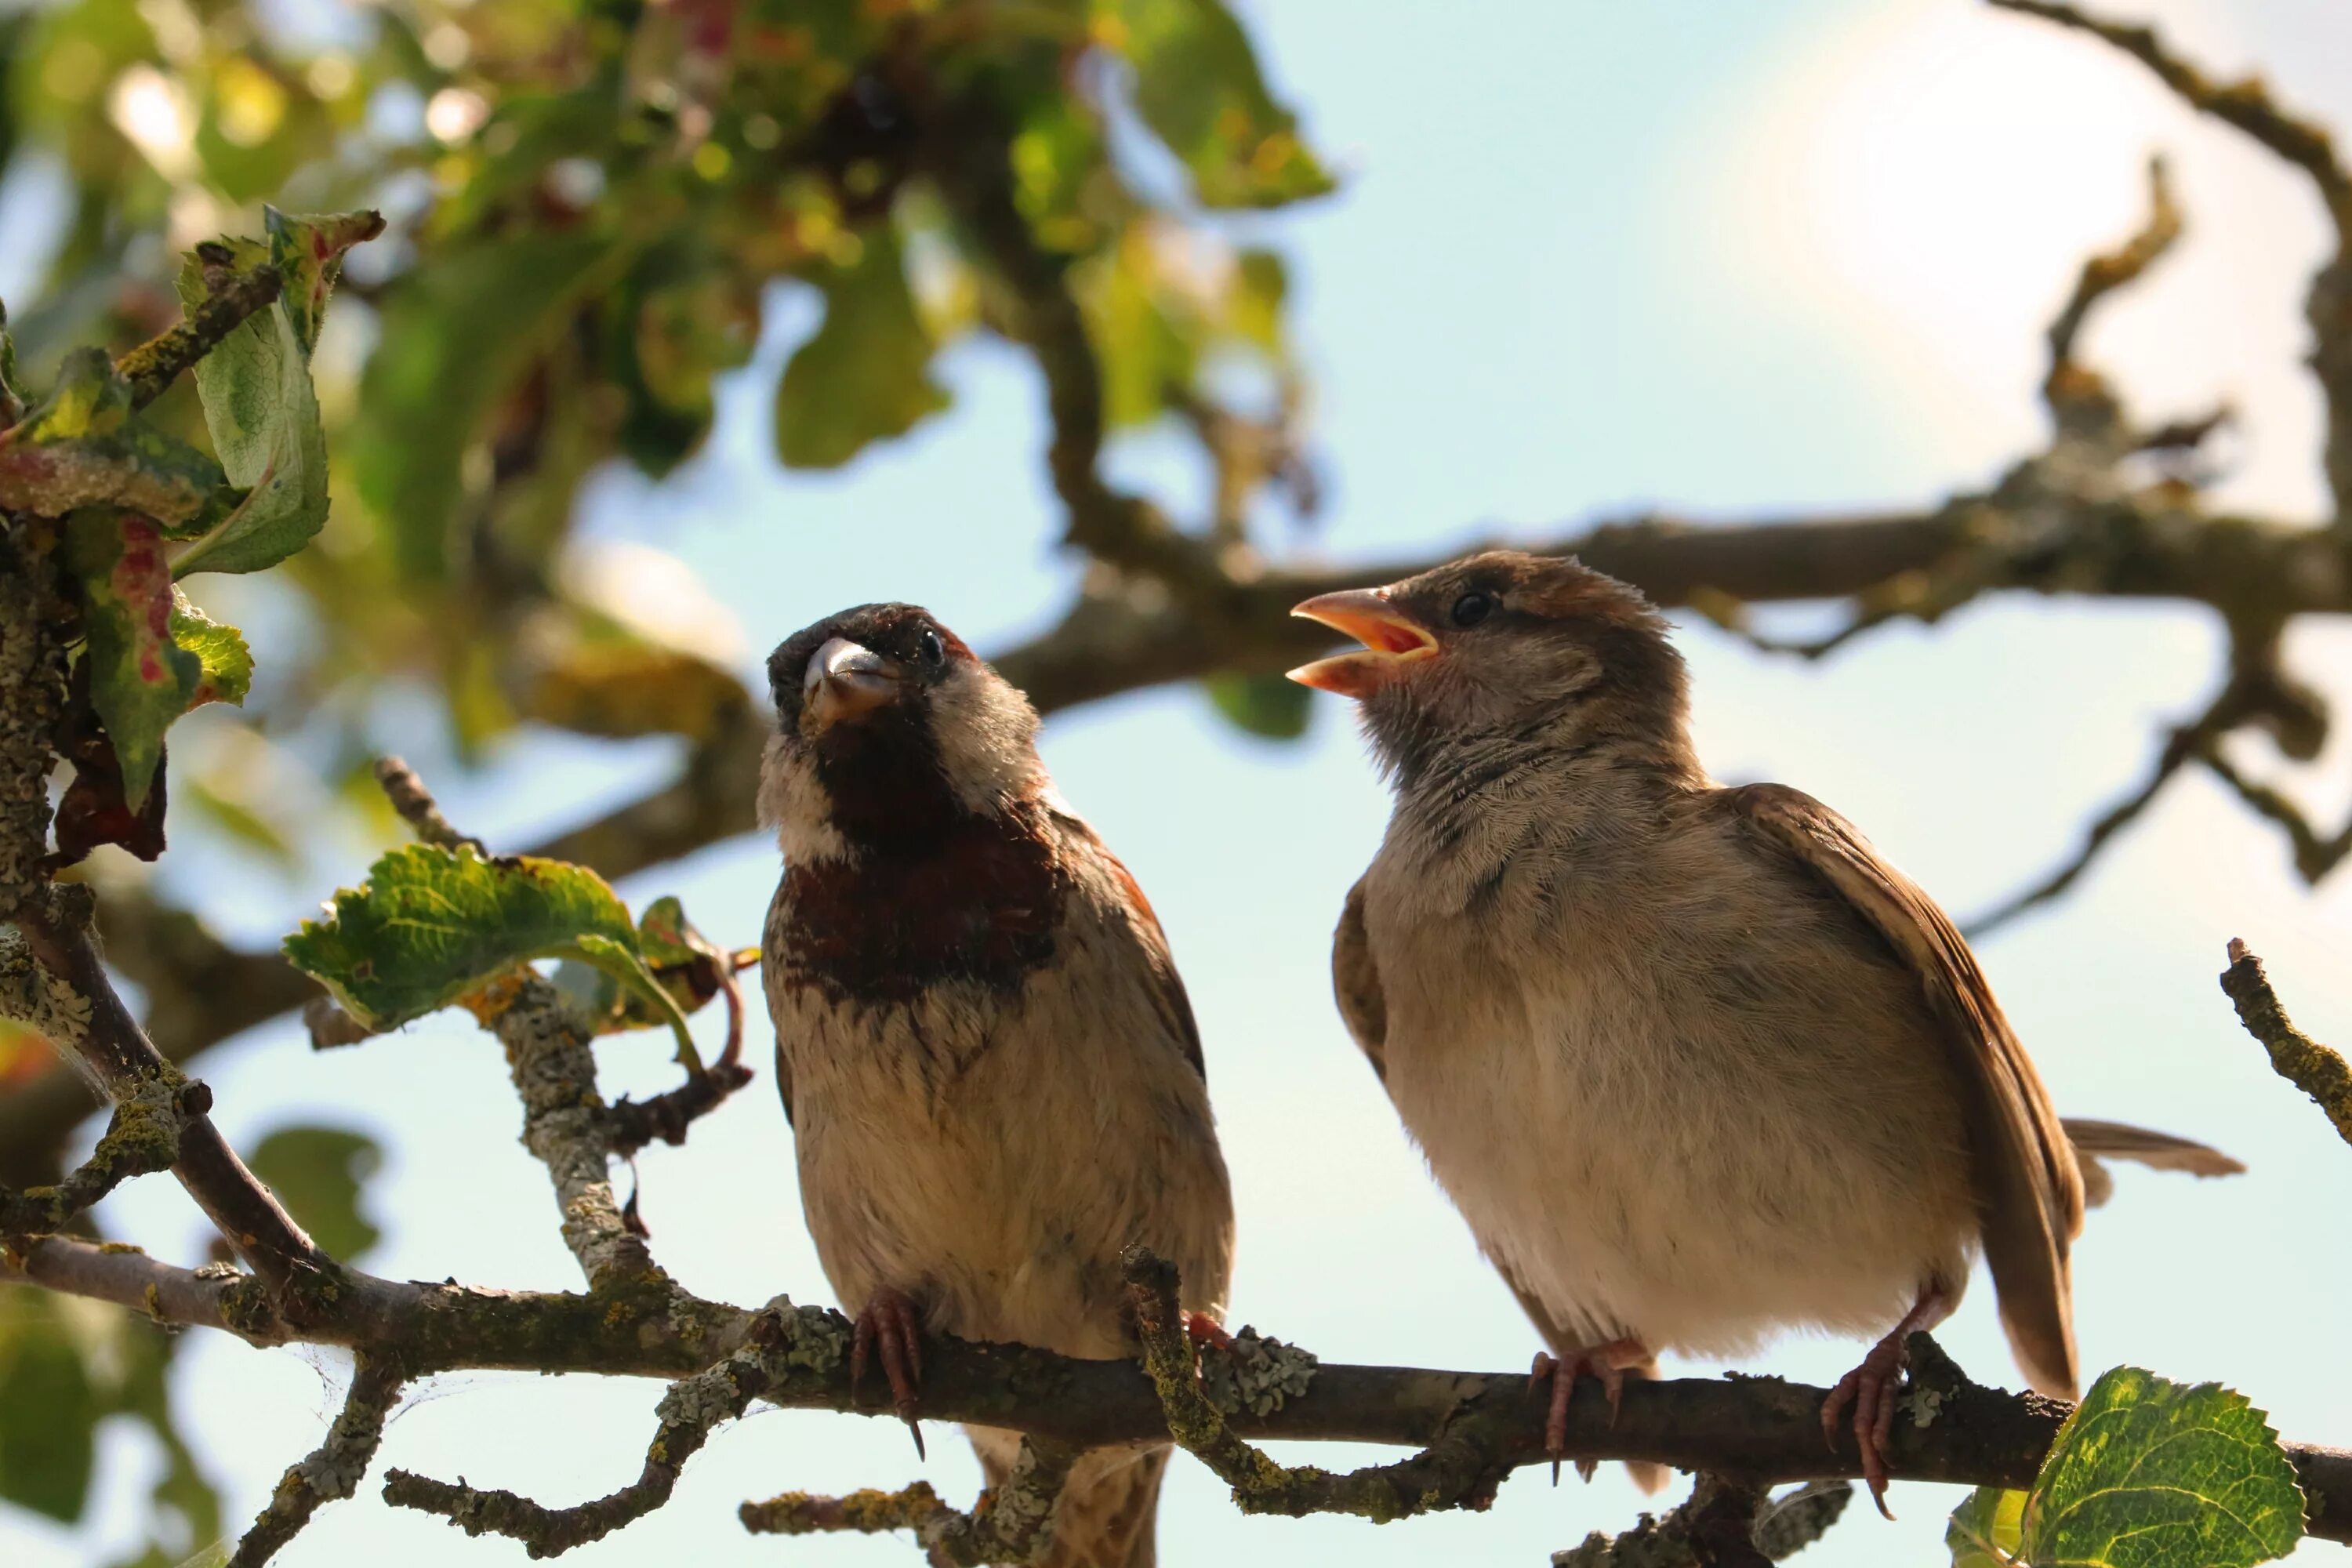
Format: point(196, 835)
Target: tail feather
point(2095, 1141)
point(1109, 1514)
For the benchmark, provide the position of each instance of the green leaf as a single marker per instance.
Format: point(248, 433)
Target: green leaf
point(225, 662)
point(1984, 1529)
point(457, 337)
point(308, 250)
point(433, 925)
point(264, 418)
point(81, 447)
point(140, 678)
point(1265, 705)
point(690, 967)
point(865, 375)
point(49, 1410)
point(2148, 1473)
point(1198, 86)
point(317, 1172)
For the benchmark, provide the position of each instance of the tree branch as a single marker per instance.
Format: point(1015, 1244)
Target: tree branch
point(1010, 1524)
point(2299, 141)
point(2303, 1061)
point(231, 296)
point(333, 1471)
point(53, 979)
point(1759, 1427)
point(141, 1138)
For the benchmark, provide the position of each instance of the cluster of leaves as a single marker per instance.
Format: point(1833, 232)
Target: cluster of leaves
point(142, 509)
point(2146, 1473)
point(595, 206)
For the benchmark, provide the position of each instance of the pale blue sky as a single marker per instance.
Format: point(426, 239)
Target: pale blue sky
point(1738, 260)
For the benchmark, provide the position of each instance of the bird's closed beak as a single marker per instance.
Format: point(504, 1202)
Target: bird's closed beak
point(844, 680)
point(1392, 641)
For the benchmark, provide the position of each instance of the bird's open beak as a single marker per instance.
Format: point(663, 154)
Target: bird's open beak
point(1392, 640)
point(844, 680)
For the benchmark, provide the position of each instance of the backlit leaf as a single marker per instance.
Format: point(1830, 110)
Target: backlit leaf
point(1265, 705)
point(317, 1173)
point(1984, 1529)
point(864, 376)
point(225, 663)
point(258, 400)
point(1198, 86)
point(49, 1410)
point(2148, 1473)
point(432, 925)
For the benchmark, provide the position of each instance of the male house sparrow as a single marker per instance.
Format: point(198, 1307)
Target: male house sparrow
point(990, 1065)
point(1694, 1063)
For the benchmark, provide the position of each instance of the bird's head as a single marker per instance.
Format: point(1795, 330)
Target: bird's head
point(887, 726)
point(1502, 645)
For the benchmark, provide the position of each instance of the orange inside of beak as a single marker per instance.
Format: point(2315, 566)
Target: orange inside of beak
point(1392, 640)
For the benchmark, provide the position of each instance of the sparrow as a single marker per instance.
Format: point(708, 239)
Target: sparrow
point(990, 1065)
point(1695, 1063)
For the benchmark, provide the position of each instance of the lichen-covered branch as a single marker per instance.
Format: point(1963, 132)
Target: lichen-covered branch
point(141, 1138)
point(231, 296)
point(783, 1343)
point(1461, 1469)
point(2303, 1061)
point(1760, 1427)
point(1724, 1524)
point(53, 979)
point(567, 1127)
point(1009, 1523)
point(333, 1470)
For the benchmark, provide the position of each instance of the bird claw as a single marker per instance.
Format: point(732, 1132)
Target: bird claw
point(1872, 1389)
point(1605, 1362)
point(1204, 1330)
point(890, 1327)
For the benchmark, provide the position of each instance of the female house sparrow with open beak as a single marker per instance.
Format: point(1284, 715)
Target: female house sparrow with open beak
point(1694, 1063)
point(990, 1065)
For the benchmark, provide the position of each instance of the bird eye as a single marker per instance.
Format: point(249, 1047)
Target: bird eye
point(1472, 607)
point(932, 650)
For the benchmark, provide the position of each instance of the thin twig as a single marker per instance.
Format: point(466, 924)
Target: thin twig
point(2303, 1061)
point(1012, 1522)
point(231, 297)
point(784, 1342)
point(2077, 395)
point(141, 1138)
point(417, 807)
point(2299, 141)
point(333, 1470)
point(1461, 1469)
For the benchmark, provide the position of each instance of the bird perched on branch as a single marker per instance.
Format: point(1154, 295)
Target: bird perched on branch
point(990, 1065)
point(1695, 1062)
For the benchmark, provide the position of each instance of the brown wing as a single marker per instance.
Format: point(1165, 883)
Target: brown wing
point(1356, 985)
point(1175, 1006)
point(2028, 1191)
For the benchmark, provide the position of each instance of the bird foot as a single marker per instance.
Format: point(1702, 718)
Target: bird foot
point(891, 1328)
point(1205, 1329)
point(1875, 1388)
point(1607, 1362)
